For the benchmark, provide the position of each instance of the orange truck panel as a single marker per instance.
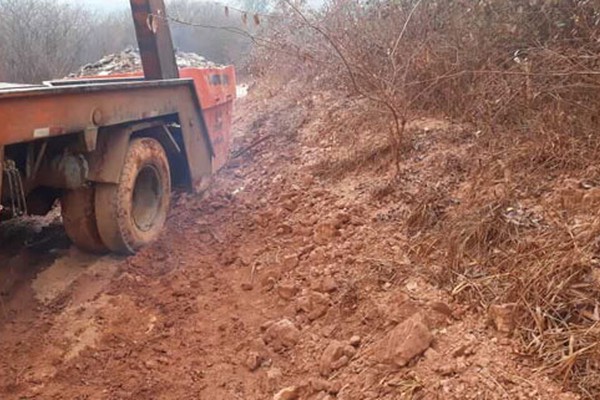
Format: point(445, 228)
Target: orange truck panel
point(216, 90)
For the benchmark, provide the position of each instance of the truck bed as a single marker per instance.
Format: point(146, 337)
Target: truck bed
point(36, 113)
point(29, 113)
point(202, 98)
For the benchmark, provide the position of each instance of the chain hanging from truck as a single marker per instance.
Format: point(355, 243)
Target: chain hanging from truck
point(16, 192)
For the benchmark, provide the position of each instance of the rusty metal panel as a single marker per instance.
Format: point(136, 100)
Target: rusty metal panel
point(27, 115)
point(197, 147)
point(154, 39)
point(35, 114)
point(216, 89)
point(1, 172)
point(106, 161)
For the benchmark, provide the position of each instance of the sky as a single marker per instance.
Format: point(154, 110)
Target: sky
point(110, 5)
point(104, 4)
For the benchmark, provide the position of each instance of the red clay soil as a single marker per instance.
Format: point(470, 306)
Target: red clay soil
point(280, 283)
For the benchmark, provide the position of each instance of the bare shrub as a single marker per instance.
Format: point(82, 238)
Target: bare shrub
point(354, 47)
point(40, 39)
point(109, 33)
point(46, 39)
point(206, 28)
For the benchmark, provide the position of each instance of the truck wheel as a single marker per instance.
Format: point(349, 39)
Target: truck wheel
point(79, 219)
point(132, 213)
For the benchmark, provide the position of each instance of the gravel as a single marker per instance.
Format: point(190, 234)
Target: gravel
point(129, 60)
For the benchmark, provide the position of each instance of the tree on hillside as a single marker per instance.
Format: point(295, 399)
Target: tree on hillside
point(210, 31)
point(46, 39)
point(41, 39)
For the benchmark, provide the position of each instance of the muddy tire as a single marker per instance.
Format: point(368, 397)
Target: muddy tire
point(79, 219)
point(132, 213)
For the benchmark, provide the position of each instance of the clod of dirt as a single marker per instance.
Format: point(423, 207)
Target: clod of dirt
point(269, 279)
point(282, 334)
point(324, 396)
point(306, 180)
point(287, 290)
point(324, 233)
point(274, 376)
point(355, 341)
point(326, 285)
point(290, 261)
point(284, 229)
point(342, 218)
point(290, 204)
point(442, 308)
point(253, 361)
point(464, 350)
point(321, 385)
point(452, 368)
point(503, 317)
point(288, 393)
point(314, 304)
point(335, 356)
point(406, 341)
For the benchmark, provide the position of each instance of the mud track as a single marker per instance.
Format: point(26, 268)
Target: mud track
point(278, 282)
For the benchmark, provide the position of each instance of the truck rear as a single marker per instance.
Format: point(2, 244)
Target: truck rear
point(112, 150)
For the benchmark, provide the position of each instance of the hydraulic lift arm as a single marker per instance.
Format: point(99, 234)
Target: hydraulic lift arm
point(154, 39)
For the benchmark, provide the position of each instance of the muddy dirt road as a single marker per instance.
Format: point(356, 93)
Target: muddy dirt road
point(278, 283)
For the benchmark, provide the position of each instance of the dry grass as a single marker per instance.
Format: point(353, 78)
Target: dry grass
point(523, 233)
point(511, 211)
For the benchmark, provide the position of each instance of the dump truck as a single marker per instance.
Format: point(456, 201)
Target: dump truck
point(112, 150)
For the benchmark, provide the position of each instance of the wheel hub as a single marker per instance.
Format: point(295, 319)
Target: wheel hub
point(147, 196)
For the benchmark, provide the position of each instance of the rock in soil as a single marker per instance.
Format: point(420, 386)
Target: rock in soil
point(314, 304)
point(288, 393)
point(325, 233)
point(287, 290)
point(290, 261)
point(253, 361)
point(327, 285)
point(274, 376)
point(282, 334)
point(322, 385)
point(355, 341)
point(335, 356)
point(441, 307)
point(406, 341)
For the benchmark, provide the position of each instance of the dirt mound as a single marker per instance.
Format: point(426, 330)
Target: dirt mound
point(283, 282)
point(129, 60)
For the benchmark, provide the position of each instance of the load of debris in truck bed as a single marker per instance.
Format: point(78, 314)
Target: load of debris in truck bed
point(129, 60)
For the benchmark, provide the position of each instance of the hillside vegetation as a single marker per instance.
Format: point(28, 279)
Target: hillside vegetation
point(502, 210)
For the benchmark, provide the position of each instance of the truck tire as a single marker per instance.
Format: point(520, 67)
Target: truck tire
point(132, 213)
point(79, 219)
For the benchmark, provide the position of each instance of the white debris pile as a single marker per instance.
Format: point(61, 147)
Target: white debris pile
point(129, 60)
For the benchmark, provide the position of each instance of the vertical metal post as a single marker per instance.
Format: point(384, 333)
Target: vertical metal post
point(154, 39)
